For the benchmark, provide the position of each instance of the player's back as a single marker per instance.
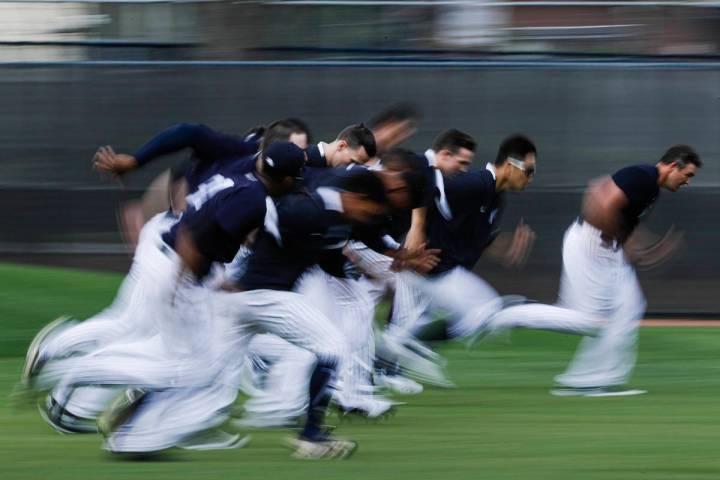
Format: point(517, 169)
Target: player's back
point(221, 213)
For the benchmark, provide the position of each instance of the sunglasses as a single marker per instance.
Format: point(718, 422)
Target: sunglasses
point(520, 165)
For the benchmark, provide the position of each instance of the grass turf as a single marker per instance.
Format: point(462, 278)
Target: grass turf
point(499, 423)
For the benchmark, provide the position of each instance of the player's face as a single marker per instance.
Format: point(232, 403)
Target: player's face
point(358, 208)
point(344, 155)
point(680, 176)
point(449, 162)
point(521, 172)
point(396, 189)
point(299, 139)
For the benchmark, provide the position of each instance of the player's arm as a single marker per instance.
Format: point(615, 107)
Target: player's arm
point(420, 259)
point(208, 145)
point(648, 250)
point(416, 235)
point(511, 249)
point(602, 208)
point(188, 251)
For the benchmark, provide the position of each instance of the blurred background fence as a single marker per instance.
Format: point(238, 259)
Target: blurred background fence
point(597, 85)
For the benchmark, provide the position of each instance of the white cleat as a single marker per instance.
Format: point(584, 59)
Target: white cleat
point(419, 362)
point(330, 448)
point(33, 361)
point(617, 393)
point(398, 384)
point(595, 392)
point(217, 440)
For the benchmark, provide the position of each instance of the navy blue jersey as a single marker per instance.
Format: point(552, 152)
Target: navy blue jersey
point(399, 223)
point(309, 230)
point(220, 215)
point(306, 233)
point(640, 185)
point(208, 147)
point(463, 218)
point(315, 158)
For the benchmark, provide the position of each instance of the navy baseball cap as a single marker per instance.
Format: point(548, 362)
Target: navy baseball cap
point(283, 159)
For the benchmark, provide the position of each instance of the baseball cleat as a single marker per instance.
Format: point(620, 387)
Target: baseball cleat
point(63, 421)
point(612, 392)
point(215, 440)
point(327, 448)
point(120, 410)
point(33, 361)
point(595, 392)
point(398, 384)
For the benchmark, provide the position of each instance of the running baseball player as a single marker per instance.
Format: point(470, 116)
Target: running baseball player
point(598, 276)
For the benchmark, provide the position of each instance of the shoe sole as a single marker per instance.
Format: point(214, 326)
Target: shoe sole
point(34, 349)
point(596, 393)
point(238, 441)
point(621, 393)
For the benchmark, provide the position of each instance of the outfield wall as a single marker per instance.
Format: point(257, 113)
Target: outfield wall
point(587, 118)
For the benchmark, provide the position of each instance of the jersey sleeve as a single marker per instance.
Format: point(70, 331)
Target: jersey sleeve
point(206, 143)
point(469, 189)
point(637, 184)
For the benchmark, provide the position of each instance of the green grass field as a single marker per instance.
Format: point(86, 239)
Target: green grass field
point(499, 423)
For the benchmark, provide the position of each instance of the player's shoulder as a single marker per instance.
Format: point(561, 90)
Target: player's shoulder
point(315, 157)
point(246, 187)
point(636, 175)
point(641, 170)
point(475, 178)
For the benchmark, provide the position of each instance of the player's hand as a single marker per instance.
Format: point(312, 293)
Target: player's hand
point(660, 252)
point(522, 243)
point(421, 259)
point(107, 161)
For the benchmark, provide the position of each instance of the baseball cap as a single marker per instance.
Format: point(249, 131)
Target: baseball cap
point(283, 159)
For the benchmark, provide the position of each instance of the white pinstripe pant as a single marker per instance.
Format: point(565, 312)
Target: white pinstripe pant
point(600, 281)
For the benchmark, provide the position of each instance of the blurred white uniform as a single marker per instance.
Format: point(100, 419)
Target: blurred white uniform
point(125, 321)
point(125, 314)
point(600, 281)
point(349, 305)
point(190, 352)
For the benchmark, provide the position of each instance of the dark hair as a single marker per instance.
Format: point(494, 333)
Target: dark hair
point(299, 126)
point(516, 146)
point(359, 136)
point(366, 182)
point(413, 170)
point(682, 154)
point(399, 112)
point(453, 140)
point(280, 130)
point(256, 131)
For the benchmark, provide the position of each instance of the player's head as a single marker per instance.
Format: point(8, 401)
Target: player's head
point(454, 151)
point(394, 125)
point(354, 144)
point(515, 162)
point(279, 165)
point(363, 196)
point(678, 166)
point(288, 129)
point(403, 177)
